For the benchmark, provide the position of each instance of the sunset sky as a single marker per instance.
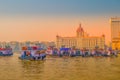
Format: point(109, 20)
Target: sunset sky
point(42, 20)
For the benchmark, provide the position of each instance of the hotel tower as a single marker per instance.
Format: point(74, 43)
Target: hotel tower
point(115, 32)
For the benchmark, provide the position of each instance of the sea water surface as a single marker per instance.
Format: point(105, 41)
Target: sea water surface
point(90, 68)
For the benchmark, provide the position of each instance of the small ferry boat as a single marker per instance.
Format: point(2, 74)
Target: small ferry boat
point(32, 53)
point(6, 52)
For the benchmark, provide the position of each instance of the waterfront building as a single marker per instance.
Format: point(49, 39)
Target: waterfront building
point(48, 44)
point(14, 45)
point(115, 32)
point(81, 40)
point(3, 44)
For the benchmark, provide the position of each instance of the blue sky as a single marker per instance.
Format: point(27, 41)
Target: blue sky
point(60, 7)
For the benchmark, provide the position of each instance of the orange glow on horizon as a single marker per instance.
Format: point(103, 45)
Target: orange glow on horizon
point(46, 28)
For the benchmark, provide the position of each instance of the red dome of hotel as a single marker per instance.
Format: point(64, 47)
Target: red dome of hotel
point(80, 29)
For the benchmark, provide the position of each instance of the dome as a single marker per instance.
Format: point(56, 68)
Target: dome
point(80, 29)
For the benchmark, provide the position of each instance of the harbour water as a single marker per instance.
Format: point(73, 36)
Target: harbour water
point(89, 68)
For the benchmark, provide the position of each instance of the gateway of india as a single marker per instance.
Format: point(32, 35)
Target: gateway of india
point(81, 40)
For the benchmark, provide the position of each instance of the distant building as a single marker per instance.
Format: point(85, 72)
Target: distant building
point(3, 44)
point(43, 44)
point(48, 44)
point(81, 40)
point(115, 32)
point(14, 45)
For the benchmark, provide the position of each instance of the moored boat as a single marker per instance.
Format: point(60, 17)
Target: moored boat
point(32, 53)
point(6, 52)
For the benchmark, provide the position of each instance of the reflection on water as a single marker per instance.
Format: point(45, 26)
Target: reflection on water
point(98, 68)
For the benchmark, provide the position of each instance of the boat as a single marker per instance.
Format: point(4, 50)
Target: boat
point(32, 53)
point(6, 52)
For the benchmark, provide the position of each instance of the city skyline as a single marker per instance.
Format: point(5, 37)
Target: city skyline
point(42, 20)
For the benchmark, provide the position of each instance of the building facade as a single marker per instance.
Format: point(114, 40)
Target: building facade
point(115, 32)
point(81, 40)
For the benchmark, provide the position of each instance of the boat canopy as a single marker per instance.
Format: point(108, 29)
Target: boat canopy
point(65, 49)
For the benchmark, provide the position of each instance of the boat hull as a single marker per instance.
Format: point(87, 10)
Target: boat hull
point(32, 58)
point(6, 54)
